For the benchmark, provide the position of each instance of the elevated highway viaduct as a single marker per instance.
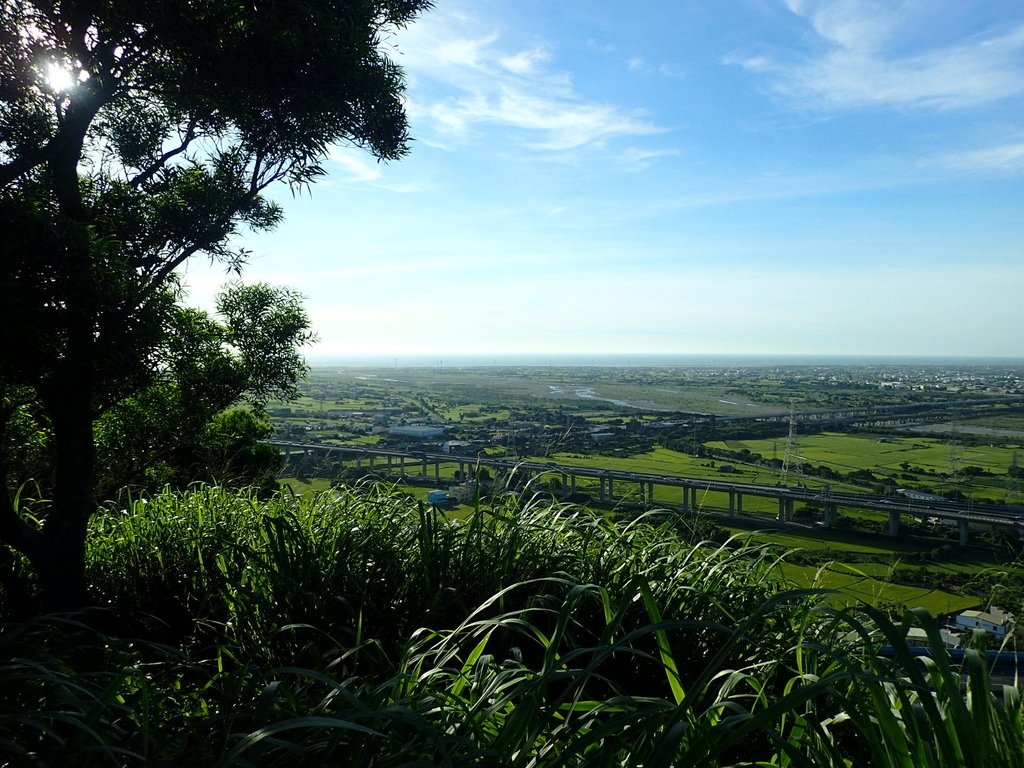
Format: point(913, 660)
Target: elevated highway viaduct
point(424, 464)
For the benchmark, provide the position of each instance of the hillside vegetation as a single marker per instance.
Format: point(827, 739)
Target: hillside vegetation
point(357, 627)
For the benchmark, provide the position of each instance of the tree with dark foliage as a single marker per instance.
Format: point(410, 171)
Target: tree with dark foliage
point(135, 135)
point(175, 430)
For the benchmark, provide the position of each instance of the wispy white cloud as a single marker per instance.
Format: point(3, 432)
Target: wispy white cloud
point(551, 124)
point(524, 62)
point(464, 80)
point(640, 159)
point(1003, 158)
point(754, 63)
point(665, 69)
point(465, 52)
point(864, 56)
point(358, 167)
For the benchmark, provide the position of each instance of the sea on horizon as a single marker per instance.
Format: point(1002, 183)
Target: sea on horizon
point(640, 360)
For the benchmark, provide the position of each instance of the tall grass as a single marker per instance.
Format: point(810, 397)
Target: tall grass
point(360, 628)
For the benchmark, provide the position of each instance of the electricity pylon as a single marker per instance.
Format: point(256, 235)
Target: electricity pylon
point(1013, 481)
point(791, 460)
point(956, 457)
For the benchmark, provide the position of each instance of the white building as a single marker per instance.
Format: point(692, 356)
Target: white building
point(917, 637)
point(971, 620)
point(417, 431)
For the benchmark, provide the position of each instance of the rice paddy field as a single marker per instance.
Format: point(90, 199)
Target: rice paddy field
point(912, 460)
point(854, 585)
point(886, 453)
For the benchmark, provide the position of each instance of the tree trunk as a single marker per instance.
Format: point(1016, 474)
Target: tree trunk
point(69, 394)
point(61, 569)
point(57, 550)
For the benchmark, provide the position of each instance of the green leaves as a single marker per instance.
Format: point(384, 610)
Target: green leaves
point(267, 326)
point(176, 430)
point(297, 631)
point(175, 119)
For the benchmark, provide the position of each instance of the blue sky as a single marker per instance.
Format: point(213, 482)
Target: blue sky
point(678, 176)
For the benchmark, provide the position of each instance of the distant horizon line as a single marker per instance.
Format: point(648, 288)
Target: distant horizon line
point(631, 359)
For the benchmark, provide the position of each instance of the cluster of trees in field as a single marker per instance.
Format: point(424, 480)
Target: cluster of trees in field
point(863, 477)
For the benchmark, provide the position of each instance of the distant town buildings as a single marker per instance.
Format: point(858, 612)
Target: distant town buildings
point(417, 431)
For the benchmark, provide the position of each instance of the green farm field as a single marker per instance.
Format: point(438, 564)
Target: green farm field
point(852, 452)
point(663, 461)
point(319, 404)
point(836, 544)
point(915, 462)
point(853, 585)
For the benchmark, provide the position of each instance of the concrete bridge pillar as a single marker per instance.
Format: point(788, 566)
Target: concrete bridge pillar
point(424, 467)
point(650, 493)
point(830, 515)
point(572, 480)
point(437, 470)
point(783, 510)
point(732, 503)
point(611, 490)
point(401, 466)
point(894, 522)
point(686, 499)
point(601, 494)
point(964, 529)
point(739, 503)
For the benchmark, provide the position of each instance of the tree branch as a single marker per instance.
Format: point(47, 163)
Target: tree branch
point(255, 179)
point(154, 168)
point(70, 132)
point(163, 273)
point(23, 163)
